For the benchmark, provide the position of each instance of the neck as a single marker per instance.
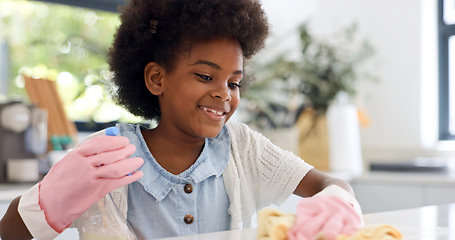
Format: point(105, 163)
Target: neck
point(174, 151)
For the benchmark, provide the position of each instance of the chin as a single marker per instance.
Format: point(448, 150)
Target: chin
point(211, 131)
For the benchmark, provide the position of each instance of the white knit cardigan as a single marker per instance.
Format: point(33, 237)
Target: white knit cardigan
point(258, 174)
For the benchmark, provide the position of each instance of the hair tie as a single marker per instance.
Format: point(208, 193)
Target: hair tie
point(153, 24)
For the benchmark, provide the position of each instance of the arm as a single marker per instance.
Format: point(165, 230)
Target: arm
point(11, 225)
point(315, 181)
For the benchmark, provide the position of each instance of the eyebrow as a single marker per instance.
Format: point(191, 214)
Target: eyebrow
point(214, 65)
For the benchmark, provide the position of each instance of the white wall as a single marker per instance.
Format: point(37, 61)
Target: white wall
point(403, 104)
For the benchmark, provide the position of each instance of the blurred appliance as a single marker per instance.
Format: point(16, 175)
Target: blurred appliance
point(416, 165)
point(23, 136)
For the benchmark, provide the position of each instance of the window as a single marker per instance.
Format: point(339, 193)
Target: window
point(446, 21)
point(64, 43)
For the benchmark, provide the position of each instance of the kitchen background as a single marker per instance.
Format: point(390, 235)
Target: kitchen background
point(401, 105)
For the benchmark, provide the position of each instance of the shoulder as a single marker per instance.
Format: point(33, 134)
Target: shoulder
point(126, 127)
point(235, 126)
point(132, 132)
point(244, 139)
point(243, 133)
point(237, 129)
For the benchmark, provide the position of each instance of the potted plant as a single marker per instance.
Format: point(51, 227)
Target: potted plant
point(308, 83)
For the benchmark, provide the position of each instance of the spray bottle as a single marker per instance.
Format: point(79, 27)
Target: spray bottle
point(104, 220)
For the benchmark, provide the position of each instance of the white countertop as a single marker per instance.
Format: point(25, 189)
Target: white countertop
point(425, 223)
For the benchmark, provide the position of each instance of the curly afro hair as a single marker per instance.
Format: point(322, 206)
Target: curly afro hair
point(159, 30)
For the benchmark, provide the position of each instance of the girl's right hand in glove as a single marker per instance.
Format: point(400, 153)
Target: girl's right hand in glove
point(324, 216)
point(84, 176)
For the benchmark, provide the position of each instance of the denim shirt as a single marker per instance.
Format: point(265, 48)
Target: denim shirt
point(162, 204)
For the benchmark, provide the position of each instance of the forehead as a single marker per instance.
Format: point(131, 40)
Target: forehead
point(218, 50)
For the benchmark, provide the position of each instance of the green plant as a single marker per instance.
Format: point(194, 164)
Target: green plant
point(309, 80)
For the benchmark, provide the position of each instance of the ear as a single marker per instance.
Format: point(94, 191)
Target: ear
point(153, 75)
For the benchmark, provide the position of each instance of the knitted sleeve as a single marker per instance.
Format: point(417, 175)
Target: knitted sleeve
point(267, 173)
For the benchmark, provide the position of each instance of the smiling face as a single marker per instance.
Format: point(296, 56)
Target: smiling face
point(201, 93)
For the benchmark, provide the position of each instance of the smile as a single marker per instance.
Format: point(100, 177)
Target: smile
point(213, 111)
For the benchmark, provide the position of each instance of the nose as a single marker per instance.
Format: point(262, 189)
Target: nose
point(221, 93)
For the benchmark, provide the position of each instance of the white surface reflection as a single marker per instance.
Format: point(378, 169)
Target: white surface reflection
point(428, 219)
point(425, 223)
point(451, 223)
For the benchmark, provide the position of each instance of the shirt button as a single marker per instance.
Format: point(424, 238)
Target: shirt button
point(188, 219)
point(188, 188)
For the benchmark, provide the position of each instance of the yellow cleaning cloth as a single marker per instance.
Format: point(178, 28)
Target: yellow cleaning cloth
point(274, 224)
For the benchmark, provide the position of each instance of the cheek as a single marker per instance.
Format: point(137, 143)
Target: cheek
point(235, 100)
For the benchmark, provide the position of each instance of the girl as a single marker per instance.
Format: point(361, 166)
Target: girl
point(180, 62)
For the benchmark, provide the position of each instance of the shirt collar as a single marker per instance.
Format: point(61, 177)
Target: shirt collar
point(211, 162)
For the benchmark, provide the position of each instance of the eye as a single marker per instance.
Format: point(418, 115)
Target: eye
point(204, 77)
point(234, 85)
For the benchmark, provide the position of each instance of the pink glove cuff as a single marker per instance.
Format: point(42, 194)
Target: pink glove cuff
point(33, 216)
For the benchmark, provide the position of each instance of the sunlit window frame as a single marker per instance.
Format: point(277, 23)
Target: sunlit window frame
point(445, 31)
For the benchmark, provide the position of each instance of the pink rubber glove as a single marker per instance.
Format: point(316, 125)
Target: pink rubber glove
point(324, 215)
point(84, 176)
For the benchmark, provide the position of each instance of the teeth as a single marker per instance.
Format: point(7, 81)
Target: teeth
point(213, 111)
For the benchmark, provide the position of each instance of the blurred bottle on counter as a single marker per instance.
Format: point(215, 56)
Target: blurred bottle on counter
point(345, 153)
